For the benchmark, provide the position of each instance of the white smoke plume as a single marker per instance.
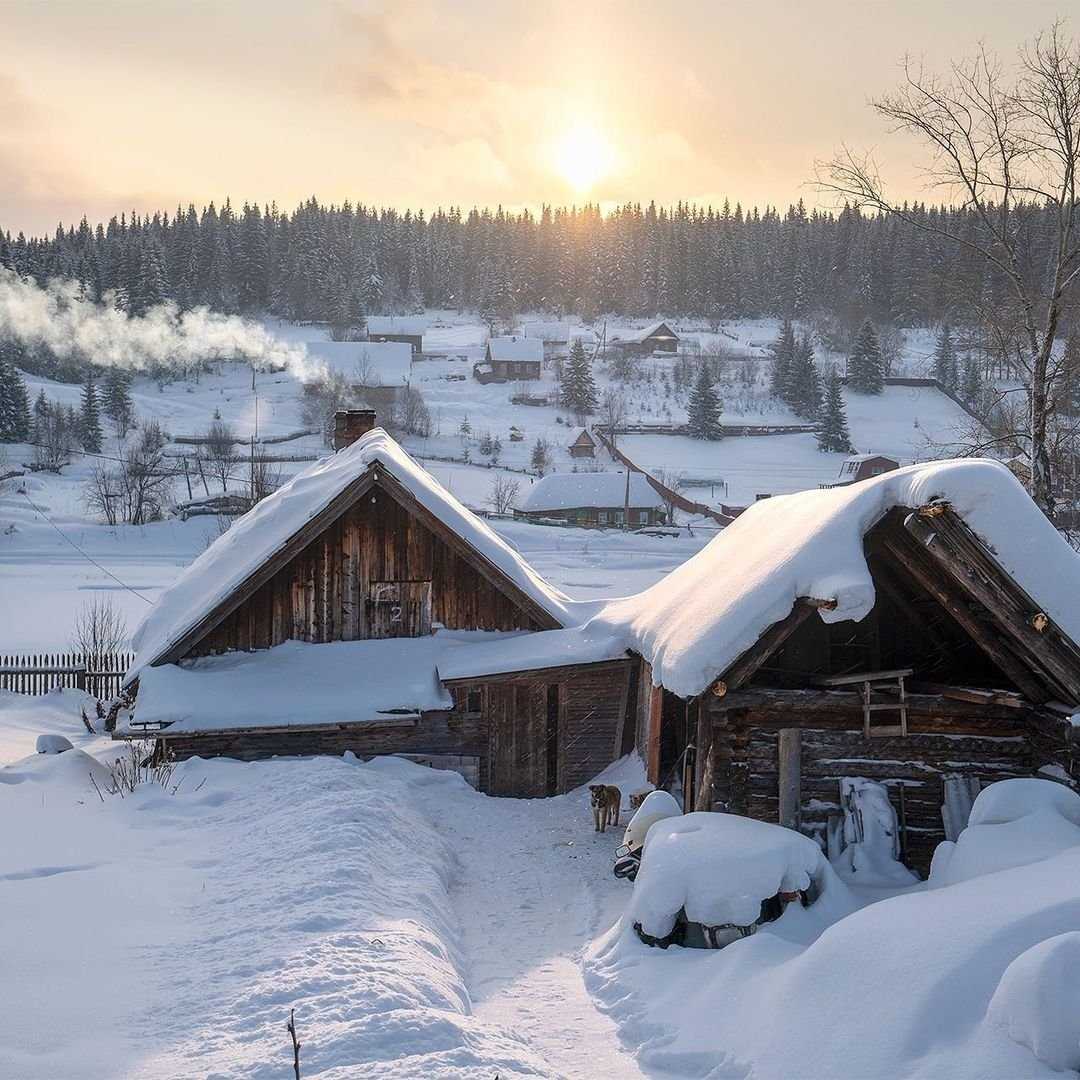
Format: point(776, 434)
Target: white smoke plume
point(61, 319)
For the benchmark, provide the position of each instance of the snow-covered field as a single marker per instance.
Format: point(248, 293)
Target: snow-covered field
point(420, 929)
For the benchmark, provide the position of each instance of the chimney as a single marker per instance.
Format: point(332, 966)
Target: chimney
point(350, 424)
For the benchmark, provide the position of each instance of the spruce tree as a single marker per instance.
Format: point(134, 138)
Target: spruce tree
point(89, 426)
point(866, 367)
point(540, 456)
point(971, 386)
point(577, 385)
point(116, 400)
point(946, 369)
point(834, 436)
point(14, 405)
point(704, 408)
point(783, 351)
point(40, 417)
point(804, 382)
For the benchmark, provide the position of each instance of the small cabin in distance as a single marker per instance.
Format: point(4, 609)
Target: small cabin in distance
point(400, 329)
point(593, 499)
point(510, 359)
point(555, 337)
point(377, 371)
point(858, 467)
point(656, 338)
point(584, 446)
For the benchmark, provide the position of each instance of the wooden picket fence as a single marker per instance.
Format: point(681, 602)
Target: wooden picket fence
point(41, 672)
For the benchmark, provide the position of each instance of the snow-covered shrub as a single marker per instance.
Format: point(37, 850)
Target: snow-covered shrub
point(720, 867)
point(1038, 1001)
point(1012, 823)
point(52, 744)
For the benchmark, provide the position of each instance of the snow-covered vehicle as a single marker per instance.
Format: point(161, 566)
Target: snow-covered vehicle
point(705, 880)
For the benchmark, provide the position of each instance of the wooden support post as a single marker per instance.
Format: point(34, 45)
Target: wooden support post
point(790, 769)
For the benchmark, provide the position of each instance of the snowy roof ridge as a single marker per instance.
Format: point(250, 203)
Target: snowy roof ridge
point(515, 347)
point(694, 623)
point(271, 524)
point(573, 490)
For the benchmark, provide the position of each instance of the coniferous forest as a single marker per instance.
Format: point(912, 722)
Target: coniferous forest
point(336, 263)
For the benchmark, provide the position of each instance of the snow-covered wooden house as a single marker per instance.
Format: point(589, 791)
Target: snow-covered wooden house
point(658, 337)
point(856, 467)
point(376, 370)
point(919, 629)
point(402, 329)
point(362, 607)
point(510, 359)
point(593, 499)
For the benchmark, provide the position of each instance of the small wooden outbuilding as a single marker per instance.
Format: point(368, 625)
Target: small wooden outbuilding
point(584, 446)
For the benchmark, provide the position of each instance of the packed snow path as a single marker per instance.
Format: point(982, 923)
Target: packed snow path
point(533, 888)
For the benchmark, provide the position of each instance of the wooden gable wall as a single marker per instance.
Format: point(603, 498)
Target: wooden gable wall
point(325, 592)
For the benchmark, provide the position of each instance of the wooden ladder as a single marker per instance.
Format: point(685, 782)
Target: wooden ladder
point(881, 682)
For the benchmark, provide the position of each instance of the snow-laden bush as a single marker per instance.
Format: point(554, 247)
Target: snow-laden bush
point(720, 867)
point(1012, 823)
point(52, 744)
point(1038, 1001)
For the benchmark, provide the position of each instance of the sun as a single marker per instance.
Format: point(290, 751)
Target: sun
point(583, 155)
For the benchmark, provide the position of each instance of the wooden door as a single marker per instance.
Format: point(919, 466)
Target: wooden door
point(399, 609)
point(517, 718)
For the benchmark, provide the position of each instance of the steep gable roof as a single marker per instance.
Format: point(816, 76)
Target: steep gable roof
point(699, 620)
point(263, 534)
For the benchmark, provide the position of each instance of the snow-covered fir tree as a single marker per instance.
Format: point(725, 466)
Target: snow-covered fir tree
point(704, 407)
point(90, 433)
point(577, 387)
point(866, 366)
point(834, 436)
point(540, 457)
point(783, 356)
point(14, 404)
point(971, 385)
point(946, 368)
point(116, 401)
point(804, 382)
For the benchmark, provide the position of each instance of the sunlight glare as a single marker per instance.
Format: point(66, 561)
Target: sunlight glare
point(583, 156)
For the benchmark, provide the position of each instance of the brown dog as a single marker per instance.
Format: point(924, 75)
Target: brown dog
point(638, 798)
point(605, 801)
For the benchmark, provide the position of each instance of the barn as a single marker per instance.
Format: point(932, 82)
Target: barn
point(593, 499)
point(362, 607)
point(376, 370)
point(856, 467)
point(918, 629)
point(510, 359)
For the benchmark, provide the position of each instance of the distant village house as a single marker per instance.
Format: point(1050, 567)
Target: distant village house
point(510, 359)
point(397, 328)
point(376, 371)
point(656, 338)
point(597, 499)
point(584, 446)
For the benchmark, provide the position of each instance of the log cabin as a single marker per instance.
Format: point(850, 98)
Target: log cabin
point(376, 371)
point(510, 359)
point(584, 446)
point(655, 338)
point(918, 629)
point(362, 607)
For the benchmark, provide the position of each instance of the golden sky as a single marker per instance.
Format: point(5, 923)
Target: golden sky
point(108, 105)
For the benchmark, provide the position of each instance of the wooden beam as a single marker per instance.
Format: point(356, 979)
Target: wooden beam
point(743, 669)
point(912, 558)
point(790, 770)
point(961, 554)
point(547, 674)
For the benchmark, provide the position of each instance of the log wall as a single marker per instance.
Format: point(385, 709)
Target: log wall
point(738, 770)
point(331, 590)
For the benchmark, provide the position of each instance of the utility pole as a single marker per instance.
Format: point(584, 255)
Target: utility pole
point(626, 501)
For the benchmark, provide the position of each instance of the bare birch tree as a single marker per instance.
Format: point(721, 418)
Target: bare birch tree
point(1000, 141)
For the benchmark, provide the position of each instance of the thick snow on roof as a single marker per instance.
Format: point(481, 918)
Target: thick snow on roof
point(298, 684)
point(516, 348)
point(530, 652)
point(646, 332)
point(375, 363)
point(261, 532)
point(396, 324)
point(695, 622)
point(567, 491)
point(547, 331)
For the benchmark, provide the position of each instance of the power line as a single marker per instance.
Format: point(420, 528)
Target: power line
point(87, 557)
